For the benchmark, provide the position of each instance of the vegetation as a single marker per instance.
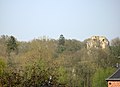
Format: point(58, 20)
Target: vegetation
point(55, 63)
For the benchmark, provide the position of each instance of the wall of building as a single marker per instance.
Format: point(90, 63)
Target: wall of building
point(113, 83)
point(97, 42)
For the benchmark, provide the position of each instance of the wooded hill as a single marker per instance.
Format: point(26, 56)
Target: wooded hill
point(56, 63)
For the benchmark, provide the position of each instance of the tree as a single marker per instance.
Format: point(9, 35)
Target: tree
point(12, 45)
point(115, 47)
point(100, 76)
point(2, 66)
point(62, 75)
point(61, 43)
point(3, 47)
point(61, 40)
point(12, 48)
point(73, 45)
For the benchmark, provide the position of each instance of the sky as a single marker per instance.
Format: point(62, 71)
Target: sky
point(75, 19)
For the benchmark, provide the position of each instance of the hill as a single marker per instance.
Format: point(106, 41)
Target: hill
point(59, 63)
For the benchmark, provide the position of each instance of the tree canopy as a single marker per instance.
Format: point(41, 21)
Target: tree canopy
point(55, 63)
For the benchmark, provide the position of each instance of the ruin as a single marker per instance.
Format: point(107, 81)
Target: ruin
point(97, 42)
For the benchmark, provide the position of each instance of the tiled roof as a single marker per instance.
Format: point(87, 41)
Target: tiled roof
point(114, 76)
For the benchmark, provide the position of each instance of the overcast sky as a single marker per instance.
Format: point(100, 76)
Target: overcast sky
point(75, 19)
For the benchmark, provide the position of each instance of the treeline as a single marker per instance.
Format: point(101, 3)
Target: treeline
point(55, 63)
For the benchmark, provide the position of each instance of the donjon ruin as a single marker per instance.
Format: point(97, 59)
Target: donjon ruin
point(97, 42)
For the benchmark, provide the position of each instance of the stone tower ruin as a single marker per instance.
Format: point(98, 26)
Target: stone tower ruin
point(97, 42)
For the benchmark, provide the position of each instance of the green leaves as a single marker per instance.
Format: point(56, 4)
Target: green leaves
point(61, 40)
point(62, 75)
point(2, 67)
point(60, 63)
point(115, 47)
point(12, 45)
point(100, 76)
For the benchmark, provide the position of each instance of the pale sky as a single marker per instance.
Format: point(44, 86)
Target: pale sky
point(75, 19)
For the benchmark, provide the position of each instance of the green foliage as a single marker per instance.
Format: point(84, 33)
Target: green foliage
point(2, 66)
point(59, 63)
point(60, 49)
point(34, 75)
point(100, 76)
point(60, 46)
point(115, 47)
point(12, 45)
point(62, 75)
point(61, 40)
point(73, 45)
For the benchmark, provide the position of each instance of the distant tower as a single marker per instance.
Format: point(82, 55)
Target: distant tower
point(97, 42)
